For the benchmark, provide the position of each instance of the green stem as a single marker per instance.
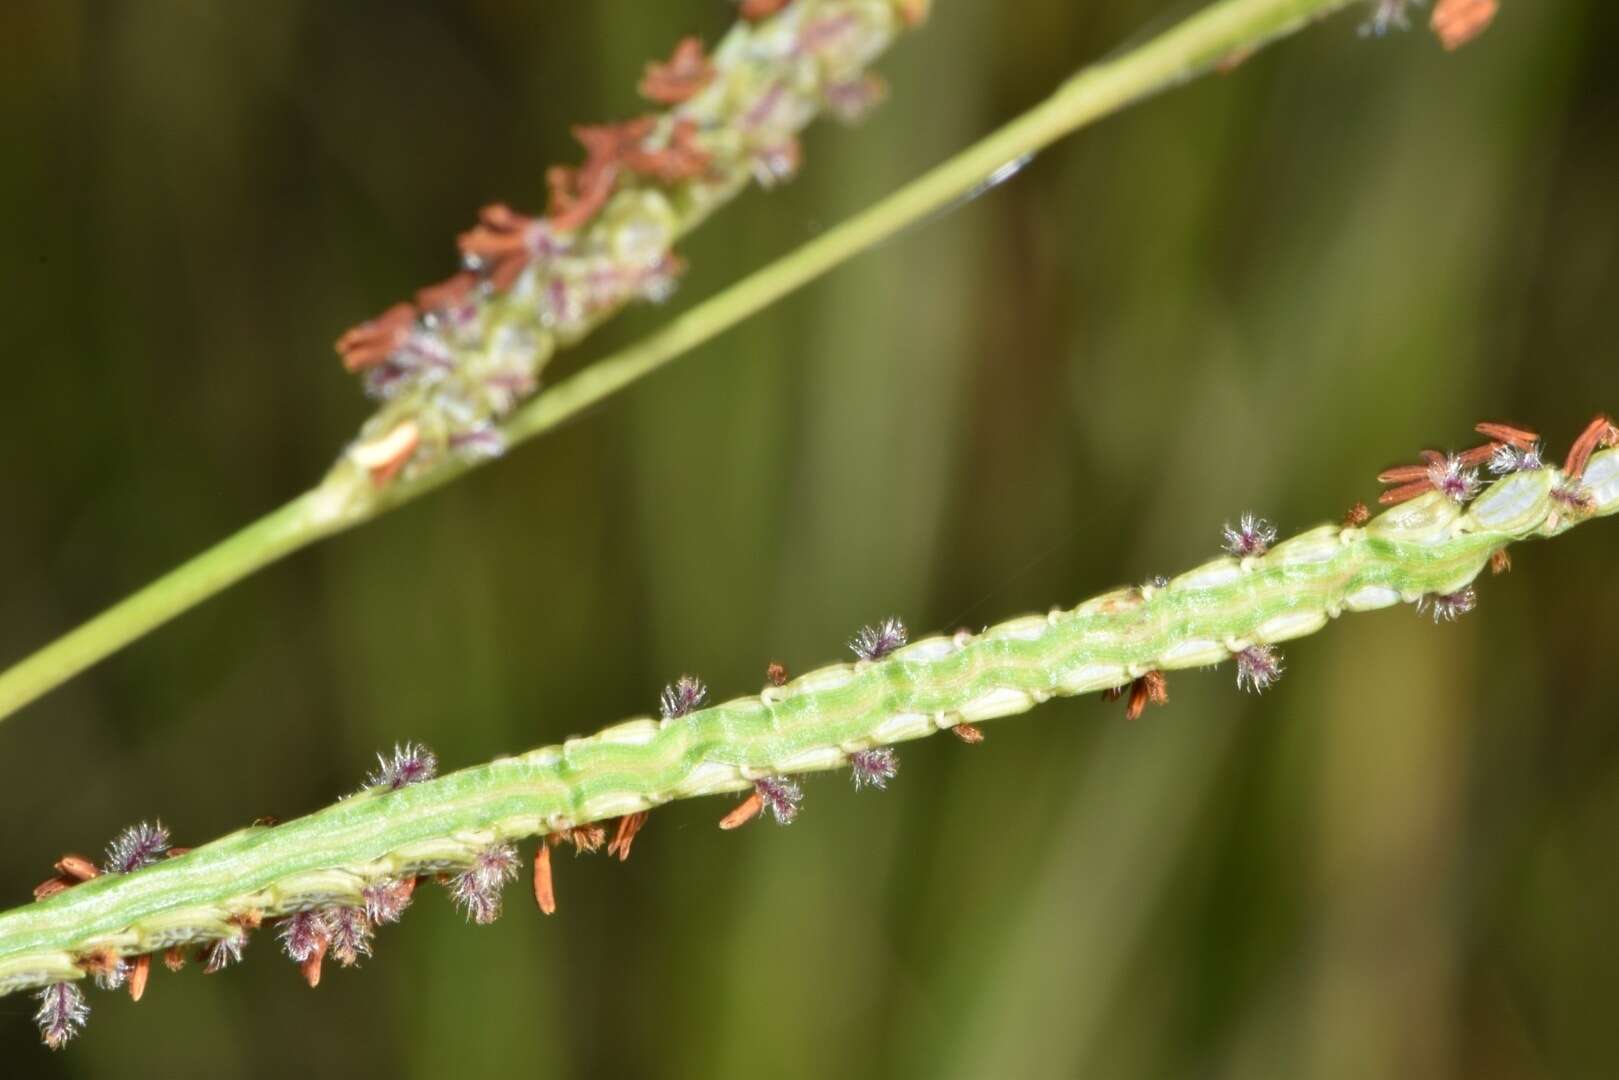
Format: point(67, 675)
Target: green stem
point(1226, 28)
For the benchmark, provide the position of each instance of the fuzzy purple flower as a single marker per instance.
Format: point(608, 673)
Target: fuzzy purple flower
point(1252, 536)
point(1507, 459)
point(135, 847)
point(478, 889)
point(1258, 666)
point(683, 696)
point(224, 952)
point(873, 768)
point(1448, 607)
point(303, 935)
point(780, 796)
point(1453, 479)
point(411, 763)
point(386, 901)
point(876, 642)
point(348, 933)
point(62, 1013)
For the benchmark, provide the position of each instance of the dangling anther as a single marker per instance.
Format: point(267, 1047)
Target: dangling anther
point(51, 886)
point(971, 734)
point(174, 958)
point(1456, 22)
point(628, 826)
point(1151, 688)
point(1599, 433)
point(685, 73)
point(1500, 561)
point(1521, 438)
point(545, 895)
point(139, 971)
point(310, 965)
point(745, 811)
point(1357, 516)
point(776, 673)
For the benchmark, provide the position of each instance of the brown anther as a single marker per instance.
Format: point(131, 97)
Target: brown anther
point(76, 867)
point(586, 839)
point(139, 972)
point(1522, 438)
point(174, 958)
point(754, 10)
point(1405, 492)
point(384, 456)
point(1600, 432)
point(745, 811)
point(628, 826)
point(502, 244)
point(310, 965)
point(266, 821)
point(776, 673)
point(449, 293)
point(913, 12)
point(577, 194)
point(176, 852)
point(374, 340)
point(680, 77)
point(971, 734)
point(1456, 22)
point(51, 886)
point(407, 888)
point(1151, 688)
point(1402, 474)
point(1356, 516)
point(1500, 561)
point(545, 895)
point(1472, 459)
point(683, 159)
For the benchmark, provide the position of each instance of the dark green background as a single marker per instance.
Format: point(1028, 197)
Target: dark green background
point(1250, 294)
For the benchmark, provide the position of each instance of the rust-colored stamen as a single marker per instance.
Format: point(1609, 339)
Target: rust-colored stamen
point(139, 972)
point(174, 958)
point(1151, 688)
point(1600, 432)
point(776, 673)
point(545, 894)
point(1500, 561)
point(1456, 22)
point(51, 886)
point(970, 734)
point(682, 159)
point(754, 10)
point(502, 243)
point(1357, 516)
point(453, 291)
point(745, 811)
point(76, 867)
point(310, 965)
point(679, 78)
point(1521, 438)
point(628, 826)
point(374, 340)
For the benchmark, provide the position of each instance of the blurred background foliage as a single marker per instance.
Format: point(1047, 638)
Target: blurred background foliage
point(1249, 294)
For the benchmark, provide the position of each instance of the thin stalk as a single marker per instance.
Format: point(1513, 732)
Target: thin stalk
point(1190, 48)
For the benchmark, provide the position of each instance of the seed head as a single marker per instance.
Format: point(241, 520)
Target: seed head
point(1252, 536)
point(135, 847)
point(1258, 666)
point(62, 1012)
point(683, 696)
point(478, 888)
point(876, 642)
point(781, 797)
point(1448, 607)
point(410, 763)
point(873, 768)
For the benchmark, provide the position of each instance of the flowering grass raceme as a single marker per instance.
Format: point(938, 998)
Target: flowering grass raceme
point(329, 879)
